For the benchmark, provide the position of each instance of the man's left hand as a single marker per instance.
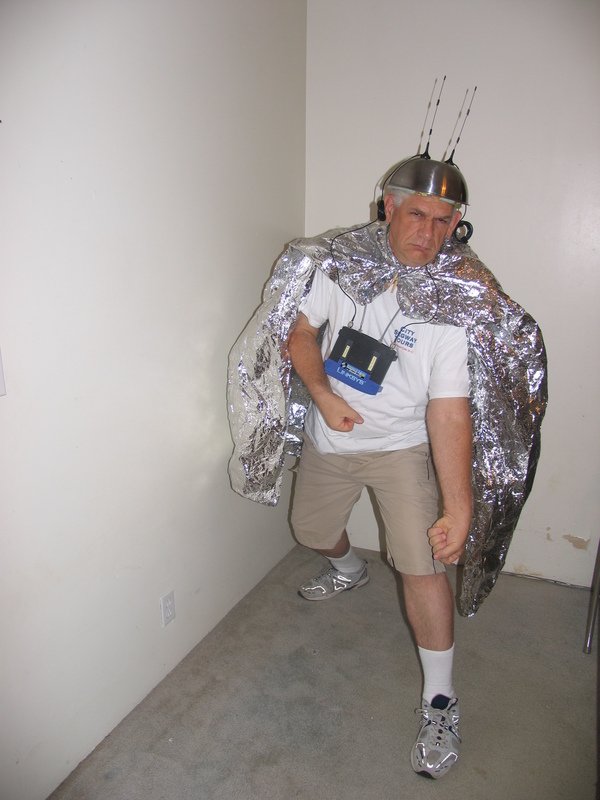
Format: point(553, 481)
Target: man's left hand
point(447, 538)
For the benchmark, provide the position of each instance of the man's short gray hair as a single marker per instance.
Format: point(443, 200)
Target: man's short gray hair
point(400, 196)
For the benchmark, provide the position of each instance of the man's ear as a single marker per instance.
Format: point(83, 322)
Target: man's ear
point(455, 220)
point(390, 204)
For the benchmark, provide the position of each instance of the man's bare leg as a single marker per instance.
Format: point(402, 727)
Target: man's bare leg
point(430, 609)
point(340, 550)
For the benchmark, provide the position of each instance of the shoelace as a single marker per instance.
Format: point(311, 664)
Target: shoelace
point(328, 572)
point(443, 724)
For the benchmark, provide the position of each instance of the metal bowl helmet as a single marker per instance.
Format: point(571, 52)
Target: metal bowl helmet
point(423, 175)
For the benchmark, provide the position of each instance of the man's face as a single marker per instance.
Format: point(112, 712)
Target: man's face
point(418, 227)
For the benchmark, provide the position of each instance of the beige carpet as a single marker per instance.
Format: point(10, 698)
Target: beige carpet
point(290, 699)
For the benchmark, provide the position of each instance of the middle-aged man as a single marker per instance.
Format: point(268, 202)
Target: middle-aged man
point(356, 439)
point(427, 374)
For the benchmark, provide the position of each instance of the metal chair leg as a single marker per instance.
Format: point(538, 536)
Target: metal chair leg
point(593, 605)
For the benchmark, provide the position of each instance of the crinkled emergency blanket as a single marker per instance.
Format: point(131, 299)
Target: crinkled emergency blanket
point(507, 367)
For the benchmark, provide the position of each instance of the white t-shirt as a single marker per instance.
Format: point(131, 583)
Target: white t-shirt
point(432, 363)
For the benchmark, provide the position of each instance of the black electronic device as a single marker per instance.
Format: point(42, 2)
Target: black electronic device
point(360, 361)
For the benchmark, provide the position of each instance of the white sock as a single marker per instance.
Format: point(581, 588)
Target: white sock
point(349, 563)
point(437, 670)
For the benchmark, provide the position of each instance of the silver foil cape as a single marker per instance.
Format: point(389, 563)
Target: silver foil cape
point(507, 366)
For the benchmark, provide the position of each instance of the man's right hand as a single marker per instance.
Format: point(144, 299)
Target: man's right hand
point(336, 412)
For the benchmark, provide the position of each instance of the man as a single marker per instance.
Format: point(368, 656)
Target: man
point(354, 439)
point(393, 387)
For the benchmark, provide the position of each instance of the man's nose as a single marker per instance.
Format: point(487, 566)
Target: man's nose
point(426, 228)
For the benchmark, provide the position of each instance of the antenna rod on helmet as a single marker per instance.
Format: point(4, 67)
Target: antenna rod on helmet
point(455, 124)
point(426, 116)
point(450, 161)
point(426, 153)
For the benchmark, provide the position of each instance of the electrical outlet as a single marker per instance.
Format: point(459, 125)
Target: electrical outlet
point(167, 608)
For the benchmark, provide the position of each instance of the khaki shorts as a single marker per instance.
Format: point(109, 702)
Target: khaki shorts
point(405, 486)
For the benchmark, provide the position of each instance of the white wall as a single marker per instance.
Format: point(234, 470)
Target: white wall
point(142, 145)
point(530, 155)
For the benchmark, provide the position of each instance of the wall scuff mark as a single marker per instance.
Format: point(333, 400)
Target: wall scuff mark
point(577, 542)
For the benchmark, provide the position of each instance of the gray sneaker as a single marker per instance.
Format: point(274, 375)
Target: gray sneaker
point(438, 744)
point(331, 582)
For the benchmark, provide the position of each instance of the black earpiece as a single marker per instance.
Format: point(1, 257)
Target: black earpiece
point(463, 238)
point(381, 210)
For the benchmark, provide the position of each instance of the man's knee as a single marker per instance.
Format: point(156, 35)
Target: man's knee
point(315, 539)
point(427, 589)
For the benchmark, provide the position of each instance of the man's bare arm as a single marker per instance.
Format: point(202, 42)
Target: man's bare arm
point(307, 360)
point(449, 427)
